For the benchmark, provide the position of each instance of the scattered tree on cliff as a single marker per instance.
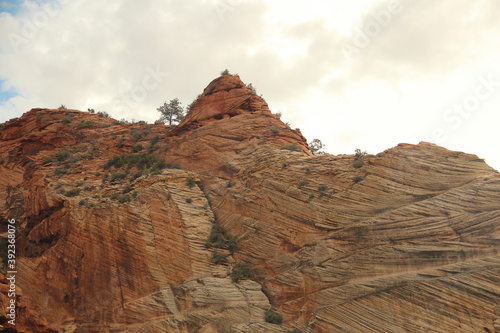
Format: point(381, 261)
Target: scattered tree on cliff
point(316, 147)
point(172, 112)
point(225, 72)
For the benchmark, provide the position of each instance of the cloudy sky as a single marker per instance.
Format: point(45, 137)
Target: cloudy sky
point(354, 73)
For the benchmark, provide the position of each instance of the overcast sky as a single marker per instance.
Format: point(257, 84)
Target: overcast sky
point(354, 73)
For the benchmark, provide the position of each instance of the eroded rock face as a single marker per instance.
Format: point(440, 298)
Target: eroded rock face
point(407, 240)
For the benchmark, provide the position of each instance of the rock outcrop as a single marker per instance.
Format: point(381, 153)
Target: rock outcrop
point(119, 227)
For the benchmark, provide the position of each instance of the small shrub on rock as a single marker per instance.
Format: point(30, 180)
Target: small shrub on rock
point(357, 179)
point(124, 198)
point(220, 239)
point(358, 158)
point(85, 124)
point(273, 317)
point(73, 192)
point(61, 155)
point(136, 148)
point(219, 258)
point(116, 177)
point(241, 271)
point(190, 182)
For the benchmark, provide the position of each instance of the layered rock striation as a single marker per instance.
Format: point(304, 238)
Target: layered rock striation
point(118, 227)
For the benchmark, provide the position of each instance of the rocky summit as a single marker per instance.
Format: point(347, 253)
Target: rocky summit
point(228, 223)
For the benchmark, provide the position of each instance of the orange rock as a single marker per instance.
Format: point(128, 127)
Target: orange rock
point(406, 240)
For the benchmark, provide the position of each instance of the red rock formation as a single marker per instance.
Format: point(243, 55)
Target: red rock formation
point(407, 240)
point(26, 317)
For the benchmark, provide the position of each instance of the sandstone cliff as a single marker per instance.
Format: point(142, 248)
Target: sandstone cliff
point(114, 222)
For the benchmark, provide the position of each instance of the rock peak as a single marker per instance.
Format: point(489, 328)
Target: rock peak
point(225, 97)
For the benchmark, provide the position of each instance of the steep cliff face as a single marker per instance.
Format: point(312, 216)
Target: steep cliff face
point(115, 222)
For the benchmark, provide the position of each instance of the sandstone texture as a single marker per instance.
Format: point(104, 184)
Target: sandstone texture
point(114, 223)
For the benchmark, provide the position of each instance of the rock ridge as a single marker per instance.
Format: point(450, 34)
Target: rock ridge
point(114, 221)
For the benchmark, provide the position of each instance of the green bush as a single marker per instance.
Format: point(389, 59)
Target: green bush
point(316, 147)
point(275, 130)
point(61, 155)
point(75, 158)
point(136, 148)
point(141, 161)
point(357, 164)
point(116, 177)
point(322, 188)
point(47, 159)
point(73, 192)
point(231, 245)
point(359, 154)
point(273, 317)
point(103, 114)
point(357, 179)
point(59, 172)
point(85, 124)
point(154, 140)
point(220, 239)
point(358, 158)
point(292, 147)
point(241, 271)
point(160, 165)
point(190, 182)
point(62, 107)
point(189, 200)
point(302, 184)
point(68, 118)
point(219, 258)
point(136, 135)
point(124, 198)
